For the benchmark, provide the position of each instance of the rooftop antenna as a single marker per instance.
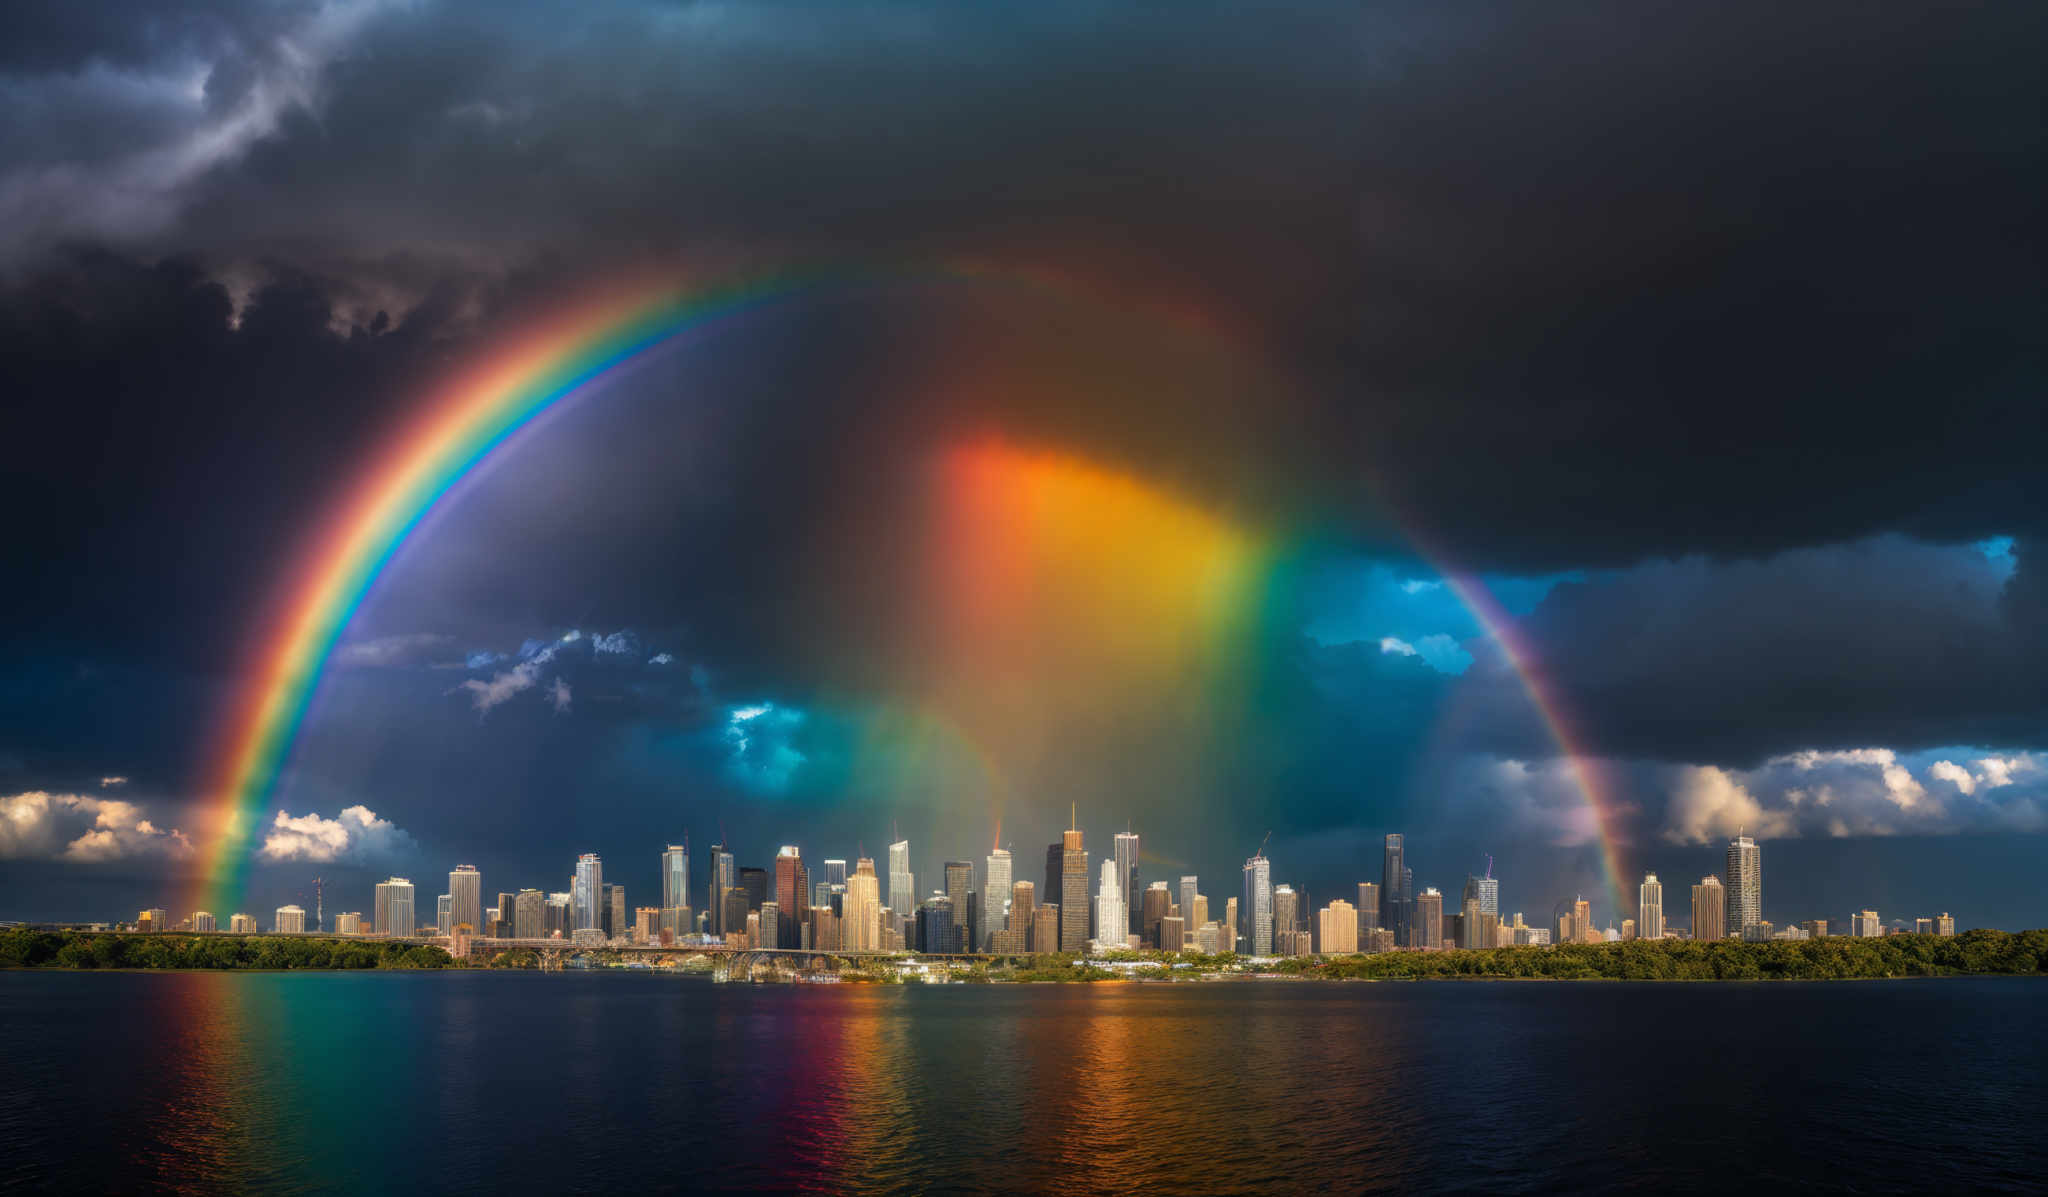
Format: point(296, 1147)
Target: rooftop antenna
point(1072, 816)
point(1489, 866)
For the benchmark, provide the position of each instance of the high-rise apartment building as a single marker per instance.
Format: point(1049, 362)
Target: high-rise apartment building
point(442, 905)
point(1066, 878)
point(1256, 935)
point(1127, 872)
point(1337, 929)
point(997, 877)
point(1155, 904)
point(1189, 887)
point(959, 882)
point(348, 922)
point(1485, 891)
point(1428, 919)
point(202, 921)
point(394, 908)
point(1172, 934)
point(244, 924)
point(1745, 885)
point(1045, 928)
point(1286, 909)
point(860, 927)
point(586, 894)
point(1583, 930)
point(558, 918)
point(1650, 908)
point(291, 920)
point(1944, 923)
point(1864, 924)
point(1232, 934)
point(1110, 919)
point(675, 887)
point(1709, 909)
point(466, 898)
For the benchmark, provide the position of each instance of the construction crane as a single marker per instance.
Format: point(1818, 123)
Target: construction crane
point(1262, 846)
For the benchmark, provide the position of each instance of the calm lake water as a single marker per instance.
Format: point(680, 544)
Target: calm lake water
point(483, 1081)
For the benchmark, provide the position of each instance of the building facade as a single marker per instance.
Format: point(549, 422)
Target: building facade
point(1256, 911)
point(1744, 893)
point(291, 920)
point(1650, 908)
point(1709, 909)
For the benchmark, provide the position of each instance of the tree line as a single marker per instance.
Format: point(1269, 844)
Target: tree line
point(23, 948)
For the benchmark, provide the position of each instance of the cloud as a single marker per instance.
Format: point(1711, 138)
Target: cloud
point(411, 648)
point(1394, 644)
point(110, 782)
point(77, 827)
point(502, 687)
point(1955, 774)
point(558, 696)
point(618, 644)
point(1708, 803)
point(357, 835)
point(662, 659)
point(760, 752)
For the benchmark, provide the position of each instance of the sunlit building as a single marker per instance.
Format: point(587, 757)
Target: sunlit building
point(1337, 928)
point(1944, 924)
point(1154, 906)
point(349, 922)
point(1709, 909)
point(1066, 878)
point(1170, 935)
point(1045, 928)
point(556, 917)
point(586, 894)
point(1110, 919)
point(291, 920)
point(529, 914)
point(466, 894)
point(1864, 924)
point(1745, 885)
point(442, 905)
point(997, 878)
point(861, 922)
point(792, 895)
point(1023, 915)
point(394, 907)
point(1429, 919)
point(724, 877)
point(902, 883)
point(1650, 907)
point(153, 919)
point(1286, 909)
point(242, 924)
point(1368, 909)
point(1256, 910)
point(1126, 856)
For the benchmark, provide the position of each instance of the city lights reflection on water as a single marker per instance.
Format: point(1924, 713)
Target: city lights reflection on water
point(204, 1082)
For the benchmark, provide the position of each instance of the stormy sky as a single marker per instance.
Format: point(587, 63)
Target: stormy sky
point(1707, 342)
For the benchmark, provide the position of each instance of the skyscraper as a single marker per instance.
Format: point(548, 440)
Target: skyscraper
point(902, 883)
point(1583, 930)
point(1286, 909)
point(620, 921)
point(835, 872)
point(1428, 919)
point(394, 907)
point(959, 876)
point(1484, 890)
point(1228, 927)
point(996, 882)
point(1865, 924)
point(1189, 887)
point(1110, 919)
point(937, 932)
point(723, 878)
point(203, 922)
point(1045, 928)
point(1393, 891)
point(1944, 923)
point(1257, 908)
point(442, 906)
point(1066, 880)
point(1368, 911)
point(1650, 908)
point(1023, 897)
point(1745, 889)
point(754, 883)
point(1127, 871)
point(1157, 904)
point(586, 894)
point(792, 894)
point(861, 925)
point(675, 886)
point(466, 898)
point(291, 920)
point(1709, 909)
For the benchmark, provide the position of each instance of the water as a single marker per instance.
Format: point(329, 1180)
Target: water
point(483, 1081)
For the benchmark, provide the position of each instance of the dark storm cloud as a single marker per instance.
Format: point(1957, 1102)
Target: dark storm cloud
point(1716, 288)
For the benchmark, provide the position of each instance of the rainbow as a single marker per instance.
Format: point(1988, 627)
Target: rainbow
point(464, 421)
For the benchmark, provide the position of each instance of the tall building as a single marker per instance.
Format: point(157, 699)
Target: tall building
point(792, 894)
point(1394, 898)
point(937, 932)
point(466, 898)
point(1188, 921)
point(675, 888)
point(1229, 927)
point(1650, 908)
point(291, 920)
point(1428, 919)
point(723, 877)
point(1337, 929)
point(1256, 935)
point(242, 924)
point(586, 894)
point(1483, 890)
point(1110, 919)
point(1583, 930)
point(619, 923)
point(442, 905)
point(754, 883)
point(1286, 909)
point(1864, 924)
point(1944, 923)
point(1127, 872)
point(1709, 909)
point(770, 934)
point(1172, 934)
point(202, 921)
point(1045, 928)
point(1368, 912)
point(1066, 879)
point(902, 882)
point(348, 922)
point(1745, 886)
point(394, 908)
point(1023, 900)
point(1156, 903)
point(861, 924)
point(1189, 887)
point(959, 875)
point(996, 881)
point(529, 910)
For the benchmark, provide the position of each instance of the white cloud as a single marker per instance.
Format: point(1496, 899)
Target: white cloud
point(558, 695)
point(1955, 774)
point(662, 659)
point(386, 651)
point(41, 825)
point(1397, 646)
point(356, 835)
point(108, 783)
point(502, 687)
point(618, 644)
point(1708, 803)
